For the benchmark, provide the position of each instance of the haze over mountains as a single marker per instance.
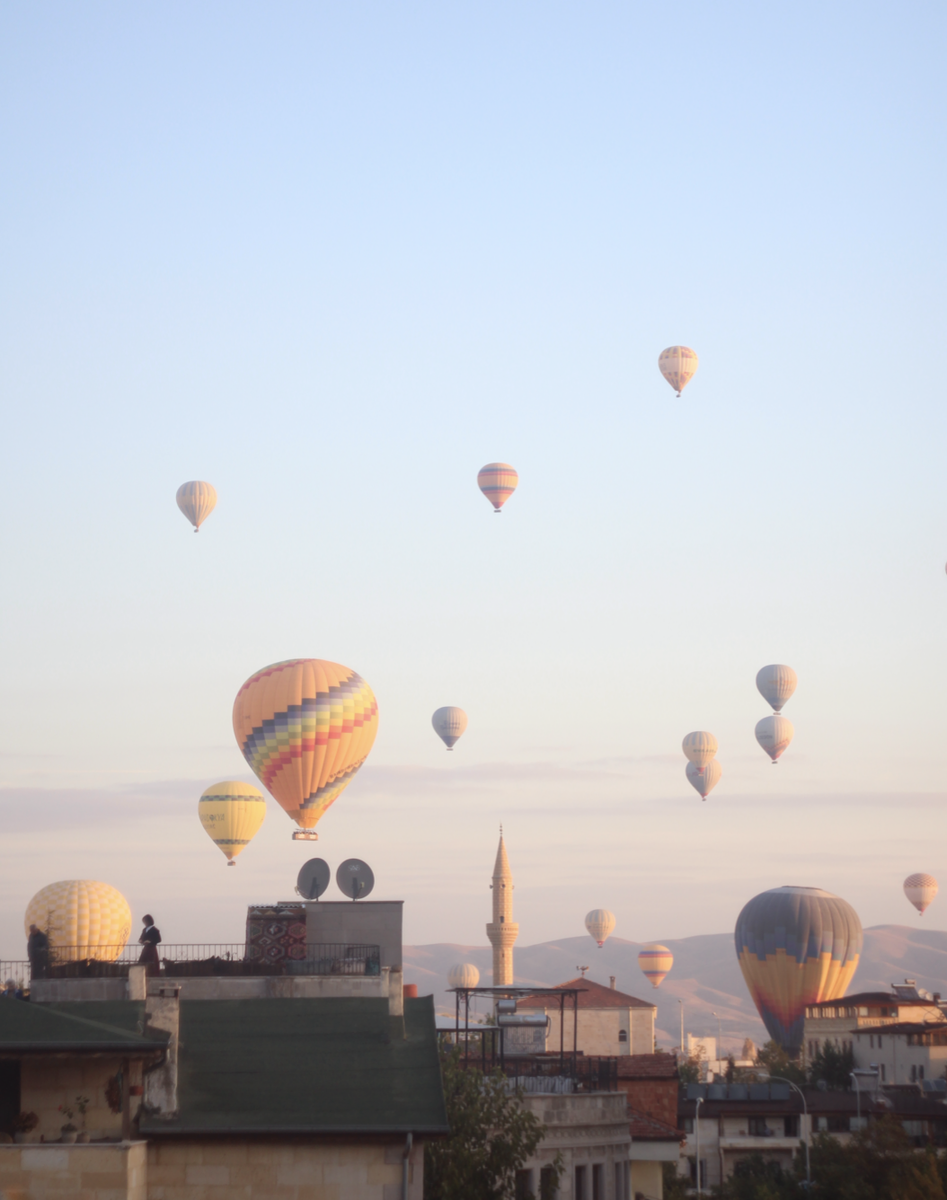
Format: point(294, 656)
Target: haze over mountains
point(706, 975)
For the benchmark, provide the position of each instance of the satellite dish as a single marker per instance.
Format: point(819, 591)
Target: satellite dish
point(355, 878)
point(313, 878)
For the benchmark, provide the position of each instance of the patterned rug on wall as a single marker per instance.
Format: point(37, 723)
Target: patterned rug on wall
point(276, 932)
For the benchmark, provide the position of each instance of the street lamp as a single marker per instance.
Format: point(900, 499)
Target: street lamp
point(700, 1101)
point(681, 1003)
point(858, 1096)
point(719, 1040)
point(805, 1113)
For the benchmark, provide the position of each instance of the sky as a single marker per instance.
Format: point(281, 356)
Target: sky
point(333, 259)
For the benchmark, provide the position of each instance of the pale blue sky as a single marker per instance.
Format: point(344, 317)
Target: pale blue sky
point(334, 259)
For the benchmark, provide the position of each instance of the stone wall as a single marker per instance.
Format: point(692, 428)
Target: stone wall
point(47, 1083)
point(95, 1172)
point(218, 987)
point(259, 1170)
point(599, 1030)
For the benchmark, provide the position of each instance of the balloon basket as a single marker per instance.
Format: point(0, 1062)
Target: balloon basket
point(305, 835)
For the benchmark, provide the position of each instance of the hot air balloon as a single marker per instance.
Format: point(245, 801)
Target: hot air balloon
point(231, 813)
point(796, 946)
point(920, 890)
point(498, 482)
point(82, 919)
point(197, 501)
point(463, 975)
point(449, 724)
point(705, 783)
point(677, 364)
point(774, 734)
point(776, 684)
point(600, 923)
point(655, 960)
point(305, 727)
point(700, 747)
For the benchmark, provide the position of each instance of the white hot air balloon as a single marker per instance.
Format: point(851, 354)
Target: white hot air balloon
point(776, 684)
point(600, 923)
point(699, 747)
point(705, 783)
point(463, 975)
point(449, 724)
point(774, 734)
point(920, 889)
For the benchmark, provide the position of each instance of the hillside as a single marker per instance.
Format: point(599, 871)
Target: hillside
point(705, 975)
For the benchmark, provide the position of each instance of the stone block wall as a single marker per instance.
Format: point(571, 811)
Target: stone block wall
point(117, 1171)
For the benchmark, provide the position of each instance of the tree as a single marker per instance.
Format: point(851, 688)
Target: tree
point(676, 1187)
point(491, 1137)
point(757, 1178)
point(833, 1066)
point(773, 1059)
point(879, 1163)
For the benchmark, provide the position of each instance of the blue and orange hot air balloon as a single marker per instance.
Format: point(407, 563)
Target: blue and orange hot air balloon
point(305, 727)
point(498, 482)
point(796, 946)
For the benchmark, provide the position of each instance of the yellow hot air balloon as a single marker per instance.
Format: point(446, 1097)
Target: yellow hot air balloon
point(677, 364)
point(197, 500)
point(655, 960)
point(305, 727)
point(82, 919)
point(231, 813)
point(600, 923)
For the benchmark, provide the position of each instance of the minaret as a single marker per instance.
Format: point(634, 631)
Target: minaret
point(502, 930)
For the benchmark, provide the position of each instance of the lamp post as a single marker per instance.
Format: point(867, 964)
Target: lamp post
point(700, 1101)
point(719, 1040)
point(805, 1114)
point(681, 1003)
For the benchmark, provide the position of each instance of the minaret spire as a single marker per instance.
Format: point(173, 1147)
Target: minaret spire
point(502, 930)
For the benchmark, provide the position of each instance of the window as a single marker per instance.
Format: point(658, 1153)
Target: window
point(757, 1127)
point(598, 1181)
point(914, 1074)
point(547, 1188)
point(879, 1041)
point(871, 1041)
point(920, 1073)
point(688, 1124)
point(579, 1191)
point(863, 1012)
point(790, 1126)
point(523, 1185)
point(882, 1069)
point(623, 1035)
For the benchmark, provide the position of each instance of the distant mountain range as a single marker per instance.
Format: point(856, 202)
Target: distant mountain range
point(705, 976)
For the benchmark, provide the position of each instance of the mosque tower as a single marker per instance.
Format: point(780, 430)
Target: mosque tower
point(502, 930)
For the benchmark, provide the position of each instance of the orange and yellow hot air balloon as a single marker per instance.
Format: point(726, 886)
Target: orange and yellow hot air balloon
point(305, 727)
point(498, 482)
point(197, 500)
point(655, 960)
point(796, 946)
point(677, 364)
point(231, 813)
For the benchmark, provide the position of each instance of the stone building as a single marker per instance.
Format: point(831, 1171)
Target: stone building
point(836, 1021)
point(609, 1021)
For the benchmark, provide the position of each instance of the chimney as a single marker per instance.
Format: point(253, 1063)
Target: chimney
point(611, 982)
point(410, 991)
point(163, 1015)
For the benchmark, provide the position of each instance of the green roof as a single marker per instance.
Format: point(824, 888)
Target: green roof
point(27, 1028)
point(329, 1065)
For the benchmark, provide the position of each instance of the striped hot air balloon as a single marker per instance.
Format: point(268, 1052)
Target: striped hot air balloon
point(774, 734)
point(231, 813)
point(699, 747)
point(655, 960)
point(920, 889)
point(449, 725)
point(600, 923)
point(305, 727)
point(706, 782)
point(776, 684)
point(82, 919)
point(677, 364)
point(498, 482)
point(796, 946)
point(197, 500)
point(463, 975)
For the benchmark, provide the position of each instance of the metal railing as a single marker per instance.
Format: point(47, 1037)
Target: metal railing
point(481, 1048)
point(196, 959)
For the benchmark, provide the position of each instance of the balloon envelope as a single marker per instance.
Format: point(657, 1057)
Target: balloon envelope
point(498, 482)
point(449, 724)
point(920, 889)
point(700, 747)
point(677, 364)
point(776, 684)
point(463, 975)
point(655, 960)
point(82, 919)
point(774, 734)
point(305, 726)
point(796, 946)
point(600, 923)
point(197, 501)
point(231, 813)
point(705, 783)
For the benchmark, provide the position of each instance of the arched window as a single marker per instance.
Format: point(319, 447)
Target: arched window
point(623, 1035)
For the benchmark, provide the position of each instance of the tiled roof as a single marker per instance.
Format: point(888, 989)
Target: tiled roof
point(865, 998)
point(28, 1028)
point(649, 1129)
point(591, 995)
point(647, 1066)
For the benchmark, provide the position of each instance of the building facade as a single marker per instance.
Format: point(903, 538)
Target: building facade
point(609, 1021)
point(836, 1021)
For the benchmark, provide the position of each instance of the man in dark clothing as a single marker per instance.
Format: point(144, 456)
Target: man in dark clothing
point(37, 951)
point(149, 939)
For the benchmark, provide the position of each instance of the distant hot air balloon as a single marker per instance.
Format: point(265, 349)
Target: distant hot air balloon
point(920, 889)
point(82, 919)
point(449, 724)
point(600, 923)
point(498, 482)
point(655, 960)
point(231, 813)
point(463, 975)
point(774, 734)
point(197, 501)
point(705, 783)
point(700, 747)
point(796, 946)
point(677, 364)
point(776, 684)
point(305, 727)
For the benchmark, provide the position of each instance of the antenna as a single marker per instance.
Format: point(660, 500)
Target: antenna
point(313, 878)
point(355, 878)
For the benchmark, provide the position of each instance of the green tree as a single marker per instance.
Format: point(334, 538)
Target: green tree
point(774, 1059)
point(879, 1163)
point(833, 1066)
point(676, 1187)
point(757, 1178)
point(491, 1137)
